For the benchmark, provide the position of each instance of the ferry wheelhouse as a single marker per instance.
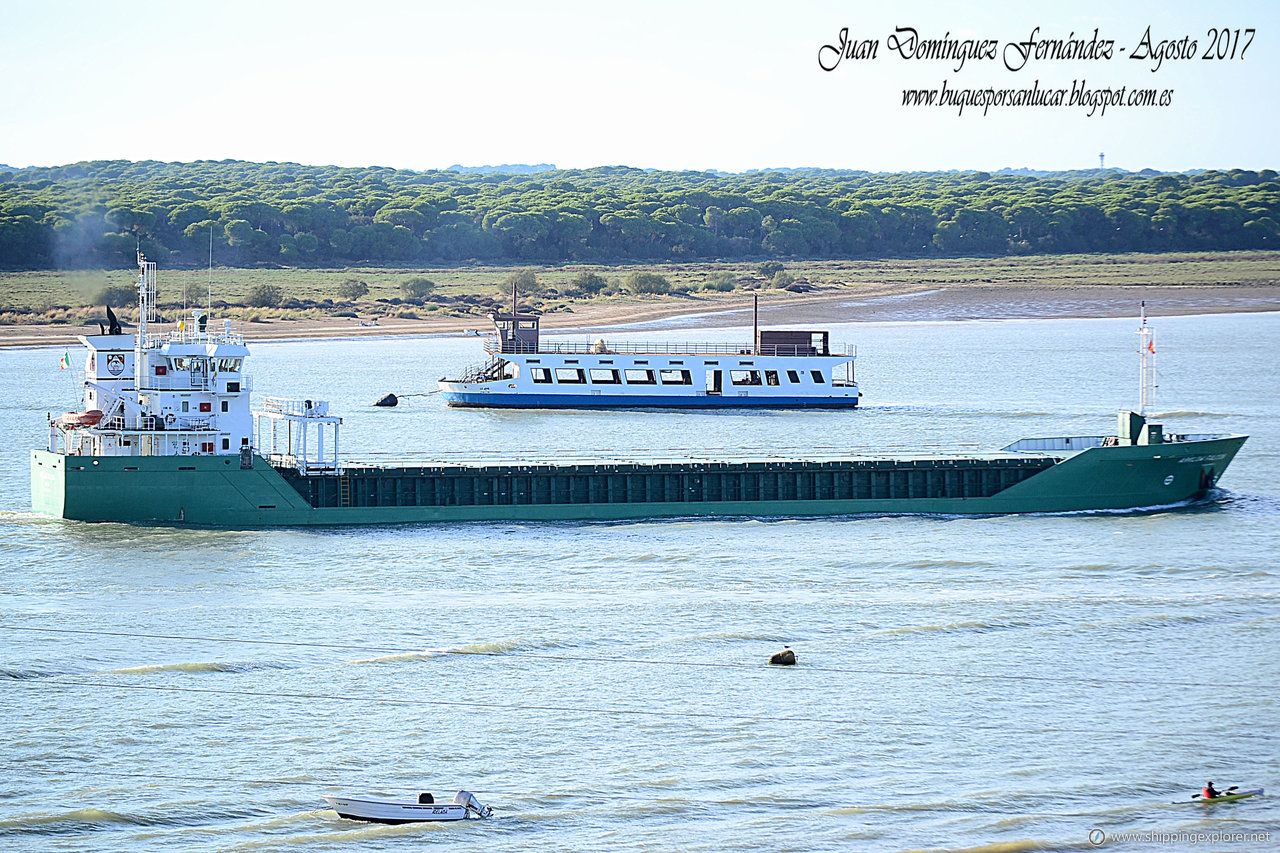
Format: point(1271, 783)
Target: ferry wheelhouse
point(779, 369)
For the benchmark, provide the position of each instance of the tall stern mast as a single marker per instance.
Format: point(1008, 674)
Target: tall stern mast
point(1146, 365)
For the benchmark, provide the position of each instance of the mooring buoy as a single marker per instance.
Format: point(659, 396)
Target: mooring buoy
point(786, 657)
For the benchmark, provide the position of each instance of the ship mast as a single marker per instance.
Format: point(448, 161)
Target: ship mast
point(1147, 365)
point(146, 295)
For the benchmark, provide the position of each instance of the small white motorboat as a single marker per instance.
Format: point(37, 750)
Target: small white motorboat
point(463, 807)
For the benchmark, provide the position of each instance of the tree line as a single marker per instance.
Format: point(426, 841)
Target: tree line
point(96, 214)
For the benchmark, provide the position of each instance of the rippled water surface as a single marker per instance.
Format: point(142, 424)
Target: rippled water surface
point(964, 683)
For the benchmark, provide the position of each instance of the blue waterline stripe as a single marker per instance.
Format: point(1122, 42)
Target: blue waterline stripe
point(602, 401)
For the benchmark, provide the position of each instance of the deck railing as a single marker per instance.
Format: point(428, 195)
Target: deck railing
point(158, 425)
point(493, 346)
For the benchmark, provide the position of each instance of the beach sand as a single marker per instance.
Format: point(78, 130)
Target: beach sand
point(817, 309)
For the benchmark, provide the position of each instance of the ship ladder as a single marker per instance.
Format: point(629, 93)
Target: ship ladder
point(344, 490)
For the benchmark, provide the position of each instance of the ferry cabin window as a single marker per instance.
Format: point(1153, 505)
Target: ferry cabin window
point(793, 377)
point(771, 377)
point(604, 376)
point(224, 406)
point(676, 377)
point(817, 376)
point(744, 377)
point(540, 375)
point(640, 377)
point(571, 375)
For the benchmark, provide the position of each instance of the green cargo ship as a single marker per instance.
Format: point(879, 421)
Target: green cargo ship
point(167, 436)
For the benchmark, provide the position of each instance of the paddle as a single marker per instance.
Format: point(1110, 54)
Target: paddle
point(1221, 794)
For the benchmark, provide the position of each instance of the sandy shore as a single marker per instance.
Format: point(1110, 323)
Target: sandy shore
point(862, 303)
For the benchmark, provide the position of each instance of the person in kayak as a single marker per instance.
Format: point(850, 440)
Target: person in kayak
point(1209, 792)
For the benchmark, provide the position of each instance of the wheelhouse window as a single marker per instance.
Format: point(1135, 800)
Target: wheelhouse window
point(817, 376)
point(676, 377)
point(540, 375)
point(640, 377)
point(571, 375)
point(793, 376)
point(771, 377)
point(744, 377)
point(604, 376)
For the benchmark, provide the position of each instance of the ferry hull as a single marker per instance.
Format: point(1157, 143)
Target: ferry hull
point(495, 400)
point(217, 491)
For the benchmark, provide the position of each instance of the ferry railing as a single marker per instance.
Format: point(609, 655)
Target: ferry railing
point(490, 370)
point(494, 346)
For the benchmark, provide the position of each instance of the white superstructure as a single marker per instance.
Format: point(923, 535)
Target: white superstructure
point(182, 392)
point(781, 368)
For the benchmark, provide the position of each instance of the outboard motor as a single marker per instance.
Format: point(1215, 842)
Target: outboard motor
point(474, 806)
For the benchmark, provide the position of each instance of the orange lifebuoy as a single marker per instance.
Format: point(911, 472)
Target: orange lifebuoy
point(169, 418)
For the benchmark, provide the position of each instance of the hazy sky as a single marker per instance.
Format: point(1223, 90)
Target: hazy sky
point(669, 85)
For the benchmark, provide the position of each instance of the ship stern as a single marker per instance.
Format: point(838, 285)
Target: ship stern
point(48, 484)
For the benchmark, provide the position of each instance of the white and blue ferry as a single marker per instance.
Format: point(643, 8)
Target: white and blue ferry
point(779, 369)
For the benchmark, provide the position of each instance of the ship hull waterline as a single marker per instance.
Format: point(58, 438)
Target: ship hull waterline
point(217, 491)
point(486, 400)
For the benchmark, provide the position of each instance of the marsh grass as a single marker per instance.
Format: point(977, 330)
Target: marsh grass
point(67, 296)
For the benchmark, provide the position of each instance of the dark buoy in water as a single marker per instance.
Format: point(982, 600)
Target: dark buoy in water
point(786, 657)
point(388, 401)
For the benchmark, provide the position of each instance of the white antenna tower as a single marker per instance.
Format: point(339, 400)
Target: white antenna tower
point(209, 305)
point(1147, 365)
point(146, 295)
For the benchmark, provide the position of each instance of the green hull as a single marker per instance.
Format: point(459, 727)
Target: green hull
point(216, 491)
